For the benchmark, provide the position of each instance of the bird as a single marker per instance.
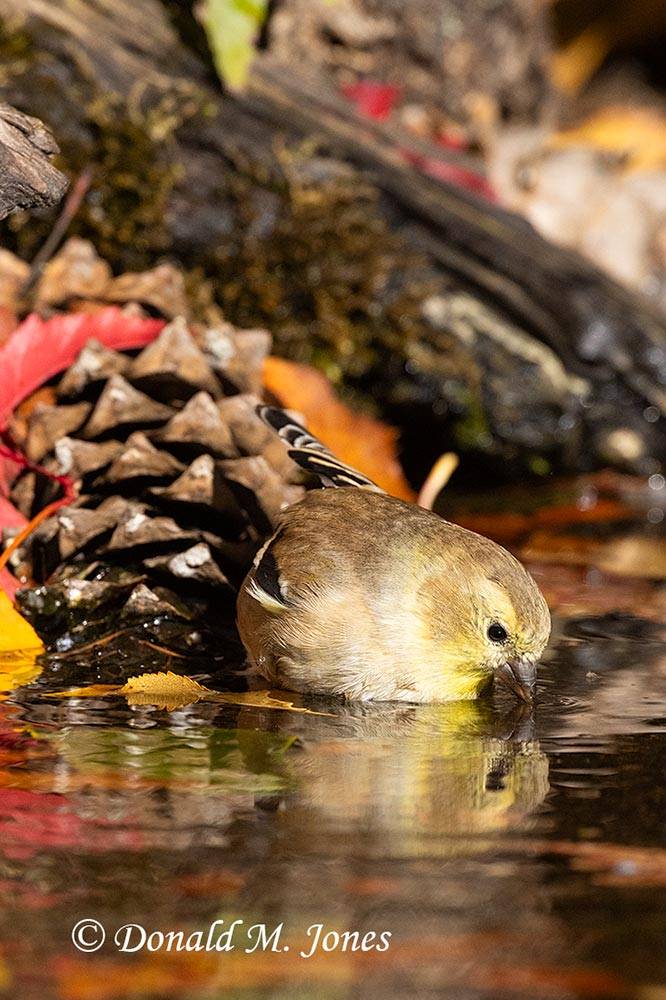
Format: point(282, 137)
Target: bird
point(363, 596)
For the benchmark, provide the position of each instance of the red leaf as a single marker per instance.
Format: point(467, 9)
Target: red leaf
point(451, 173)
point(36, 351)
point(39, 349)
point(374, 100)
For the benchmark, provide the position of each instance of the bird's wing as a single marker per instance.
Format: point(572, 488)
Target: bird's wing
point(311, 454)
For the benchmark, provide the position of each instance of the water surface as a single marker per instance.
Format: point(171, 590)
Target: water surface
point(508, 854)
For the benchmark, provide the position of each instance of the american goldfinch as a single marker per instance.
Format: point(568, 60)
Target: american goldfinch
point(362, 595)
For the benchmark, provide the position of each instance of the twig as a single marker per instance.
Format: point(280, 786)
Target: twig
point(437, 479)
point(65, 483)
point(103, 641)
point(72, 204)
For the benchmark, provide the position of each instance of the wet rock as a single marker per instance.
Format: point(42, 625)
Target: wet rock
point(195, 565)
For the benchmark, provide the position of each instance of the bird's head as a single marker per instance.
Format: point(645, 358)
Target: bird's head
point(512, 622)
point(490, 619)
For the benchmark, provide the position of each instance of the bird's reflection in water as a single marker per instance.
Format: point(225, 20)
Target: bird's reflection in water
point(416, 779)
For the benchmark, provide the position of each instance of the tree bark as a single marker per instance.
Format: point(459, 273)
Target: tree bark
point(517, 349)
point(28, 179)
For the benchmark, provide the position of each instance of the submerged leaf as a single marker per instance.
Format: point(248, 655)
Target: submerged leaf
point(92, 691)
point(171, 691)
point(266, 699)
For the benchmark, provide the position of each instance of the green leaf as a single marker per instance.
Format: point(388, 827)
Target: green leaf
point(233, 27)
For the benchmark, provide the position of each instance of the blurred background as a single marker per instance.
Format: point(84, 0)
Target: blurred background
point(339, 171)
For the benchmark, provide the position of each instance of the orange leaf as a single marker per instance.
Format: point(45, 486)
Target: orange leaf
point(638, 134)
point(367, 444)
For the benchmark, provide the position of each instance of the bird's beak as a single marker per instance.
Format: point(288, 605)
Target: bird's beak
point(519, 676)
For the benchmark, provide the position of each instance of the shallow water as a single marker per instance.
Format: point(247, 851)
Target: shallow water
point(508, 854)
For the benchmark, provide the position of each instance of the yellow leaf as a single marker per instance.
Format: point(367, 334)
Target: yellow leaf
point(164, 689)
point(19, 648)
point(265, 699)
point(232, 27)
point(92, 691)
point(168, 690)
point(15, 632)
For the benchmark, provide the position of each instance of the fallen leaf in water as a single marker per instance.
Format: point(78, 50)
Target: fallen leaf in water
point(164, 689)
point(92, 691)
point(168, 690)
point(16, 635)
point(367, 444)
point(19, 647)
point(17, 669)
point(265, 699)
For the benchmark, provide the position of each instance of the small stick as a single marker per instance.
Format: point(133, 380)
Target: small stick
point(68, 490)
point(437, 479)
point(72, 204)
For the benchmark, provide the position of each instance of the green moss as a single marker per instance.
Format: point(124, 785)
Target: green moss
point(130, 155)
point(325, 275)
point(472, 431)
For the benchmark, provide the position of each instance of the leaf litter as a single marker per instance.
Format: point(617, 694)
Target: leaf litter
point(170, 691)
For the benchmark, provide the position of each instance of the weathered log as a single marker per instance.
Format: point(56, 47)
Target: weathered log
point(452, 313)
point(28, 179)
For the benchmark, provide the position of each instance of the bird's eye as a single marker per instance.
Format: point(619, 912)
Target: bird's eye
point(497, 632)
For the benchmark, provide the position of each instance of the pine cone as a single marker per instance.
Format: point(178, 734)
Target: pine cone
point(179, 482)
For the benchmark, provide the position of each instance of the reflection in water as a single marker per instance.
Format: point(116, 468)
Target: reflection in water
point(473, 832)
point(416, 780)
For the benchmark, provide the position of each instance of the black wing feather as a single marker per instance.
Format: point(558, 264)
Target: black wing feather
point(308, 452)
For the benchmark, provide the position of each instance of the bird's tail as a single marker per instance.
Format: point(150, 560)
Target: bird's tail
point(311, 454)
